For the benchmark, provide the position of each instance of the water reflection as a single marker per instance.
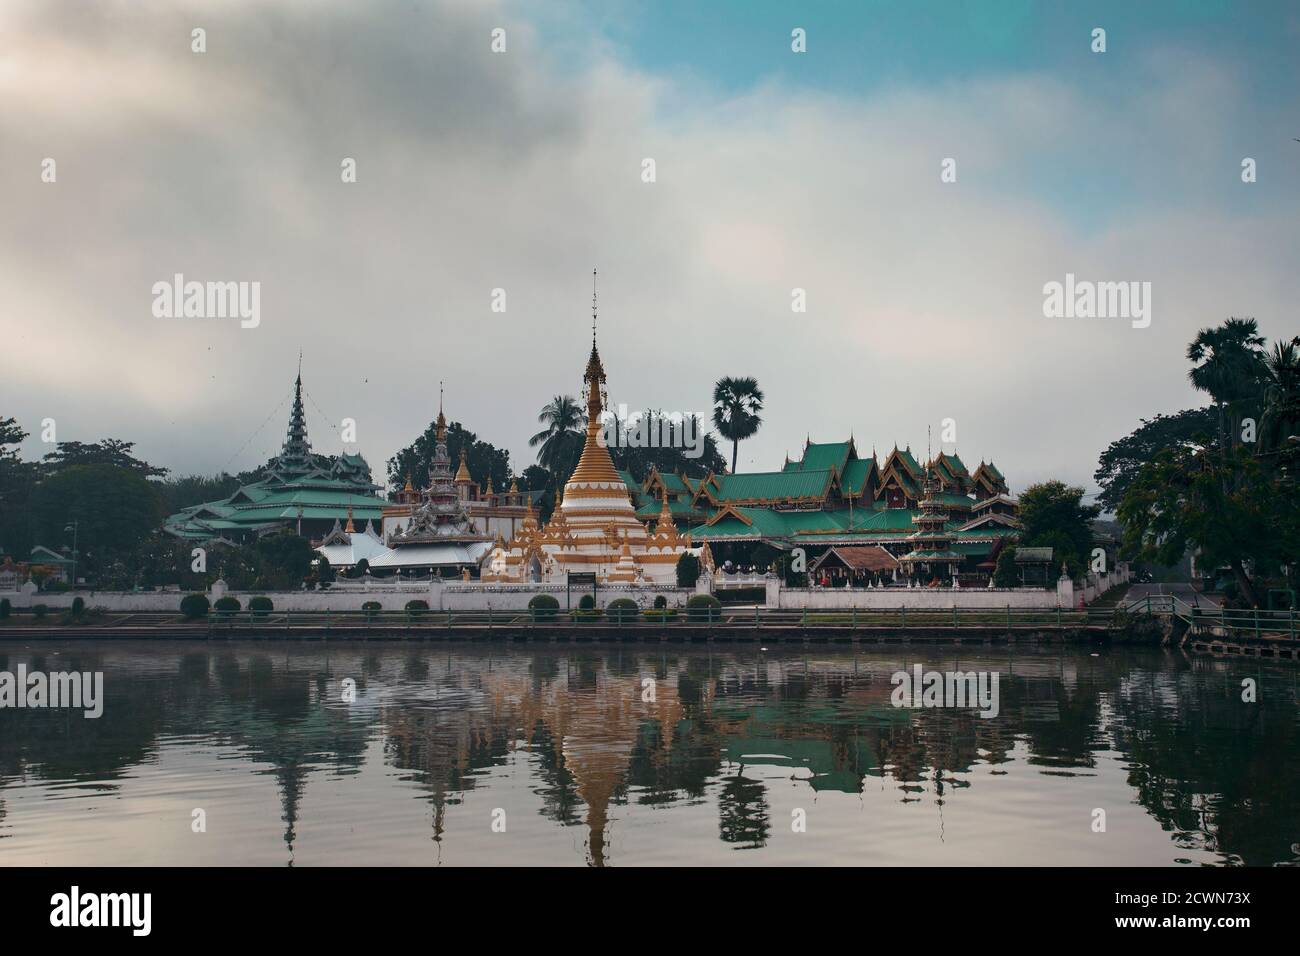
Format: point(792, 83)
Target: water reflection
point(639, 748)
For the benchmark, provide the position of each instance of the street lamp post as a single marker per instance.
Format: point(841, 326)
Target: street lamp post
point(72, 526)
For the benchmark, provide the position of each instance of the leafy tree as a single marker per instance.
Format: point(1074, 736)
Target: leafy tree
point(559, 444)
point(1004, 574)
point(110, 451)
point(736, 406)
point(1279, 427)
point(17, 478)
point(284, 560)
point(688, 570)
point(178, 493)
point(1120, 463)
point(115, 509)
point(1229, 367)
point(481, 458)
point(1223, 503)
point(1053, 515)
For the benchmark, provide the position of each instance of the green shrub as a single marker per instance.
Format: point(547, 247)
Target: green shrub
point(78, 606)
point(195, 606)
point(704, 608)
point(660, 614)
point(39, 611)
point(5, 608)
point(260, 606)
point(226, 606)
point(587, 610)
point(688, 570)
point(543, 607)
point(622, 610)
point(661, 601)
point(417, 608)
point(371, 608)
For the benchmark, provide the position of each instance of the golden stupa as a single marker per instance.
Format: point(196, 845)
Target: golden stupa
point(594, 527)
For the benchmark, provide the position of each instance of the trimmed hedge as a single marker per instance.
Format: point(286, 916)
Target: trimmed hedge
point(78, 606)
point(704, 608)
point(417, 608)
point(195, 606)
point(5, 608)
point(622, 610)
point(660, 614)
point(226, 606)
point(370, 608)
point(261, 605)
point(587, 610)
point(543, 607)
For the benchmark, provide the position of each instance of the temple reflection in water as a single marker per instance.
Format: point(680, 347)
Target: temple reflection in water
point(606, 739)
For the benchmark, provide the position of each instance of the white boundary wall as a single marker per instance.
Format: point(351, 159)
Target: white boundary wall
point(1066, 594)
point(441, 596)
point(452, 595)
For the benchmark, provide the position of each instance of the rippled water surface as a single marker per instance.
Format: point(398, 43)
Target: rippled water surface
point(519, 754)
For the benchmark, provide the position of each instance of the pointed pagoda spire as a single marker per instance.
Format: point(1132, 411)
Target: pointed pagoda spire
point(442, 419)
point(296, 445)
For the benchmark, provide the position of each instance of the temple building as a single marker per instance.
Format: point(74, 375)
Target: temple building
point(437, 534)
point(937, 520)
point(595, 526)
point(298, 489)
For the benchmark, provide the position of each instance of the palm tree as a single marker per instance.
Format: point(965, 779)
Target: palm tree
point(562, 438)
point(1229, 366)
point(1280, 423)
point(736, 404)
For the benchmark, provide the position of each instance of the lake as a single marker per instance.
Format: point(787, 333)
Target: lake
point(365, 753)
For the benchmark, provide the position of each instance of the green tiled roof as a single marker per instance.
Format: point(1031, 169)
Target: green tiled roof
point(906, 457)
point(677, 507)
point(823, 457)
point(675, 485)
point(855, 474)
point(949, 498)
point(771, 486)
point(954, 464)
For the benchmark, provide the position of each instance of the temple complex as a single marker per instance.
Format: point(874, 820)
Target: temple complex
point(298, 489)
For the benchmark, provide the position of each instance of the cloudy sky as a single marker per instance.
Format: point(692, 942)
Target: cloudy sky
point(522, 171)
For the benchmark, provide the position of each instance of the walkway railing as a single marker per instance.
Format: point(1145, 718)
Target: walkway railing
point(901, 618)
point(1256, 624)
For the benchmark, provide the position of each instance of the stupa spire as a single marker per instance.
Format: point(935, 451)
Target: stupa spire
point(442, 419)
point(295, 442)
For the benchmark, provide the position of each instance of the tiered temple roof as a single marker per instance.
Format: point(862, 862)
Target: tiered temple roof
point(298, 488)
point(832, 497)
